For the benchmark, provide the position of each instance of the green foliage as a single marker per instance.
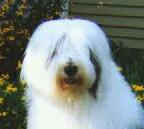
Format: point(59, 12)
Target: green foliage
point(12, 104)
point(19, 18)
point(131, 60)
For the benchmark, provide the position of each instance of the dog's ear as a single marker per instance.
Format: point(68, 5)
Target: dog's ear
point(97, 67)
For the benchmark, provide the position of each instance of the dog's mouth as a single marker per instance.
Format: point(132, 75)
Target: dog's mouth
point(70, 81)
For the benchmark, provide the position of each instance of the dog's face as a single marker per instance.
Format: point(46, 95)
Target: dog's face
point(73, 68)
point(61, 63)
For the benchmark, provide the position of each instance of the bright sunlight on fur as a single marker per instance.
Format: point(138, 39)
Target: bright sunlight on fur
point(73, 82)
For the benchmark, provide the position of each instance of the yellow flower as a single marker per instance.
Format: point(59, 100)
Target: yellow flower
point(19, 65)
point(22, 7)
point(140, 98)
point(19, 13)
point(138, 88)
point(11, 38)
point(23, 82)
point(119, 68)
point(23, 98)
point(10, 1)
point(4, 113)
point(1, 100)
point(10, 85)
point(14, 89)
point(1, 81)
point(5, 7)
point(11, 88)
point(11, 27)
point(7, 29)
point(5, 76)
point(57, 13)
point(2, 14)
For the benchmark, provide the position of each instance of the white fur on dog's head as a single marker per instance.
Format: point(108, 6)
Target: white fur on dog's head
point(55, 44)
point(103, 98)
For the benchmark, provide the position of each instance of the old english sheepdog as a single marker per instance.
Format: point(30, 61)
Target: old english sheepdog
point(73, 82)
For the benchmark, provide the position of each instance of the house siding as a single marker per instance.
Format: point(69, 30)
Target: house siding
point(123, 21)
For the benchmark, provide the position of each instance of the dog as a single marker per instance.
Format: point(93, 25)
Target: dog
point(73, 81)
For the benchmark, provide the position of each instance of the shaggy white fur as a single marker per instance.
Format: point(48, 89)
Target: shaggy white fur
point(58, 101)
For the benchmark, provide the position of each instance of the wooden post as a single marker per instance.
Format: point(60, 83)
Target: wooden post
point(65, 9)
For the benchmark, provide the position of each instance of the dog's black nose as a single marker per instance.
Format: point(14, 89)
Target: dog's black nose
point(70, 70)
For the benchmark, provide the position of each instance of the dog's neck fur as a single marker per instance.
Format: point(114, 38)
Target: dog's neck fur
point(66, 115)
point(88, 113)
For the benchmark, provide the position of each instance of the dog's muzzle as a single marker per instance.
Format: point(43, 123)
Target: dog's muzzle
point(71, 72)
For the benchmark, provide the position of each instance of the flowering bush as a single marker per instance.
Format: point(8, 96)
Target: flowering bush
point(18, 19)
point(139, 90)
point(12, 104)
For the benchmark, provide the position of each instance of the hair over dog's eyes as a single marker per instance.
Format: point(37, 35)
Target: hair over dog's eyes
point(54, 53)
point(58, 45)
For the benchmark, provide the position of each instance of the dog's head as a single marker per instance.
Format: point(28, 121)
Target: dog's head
point(64, 58)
